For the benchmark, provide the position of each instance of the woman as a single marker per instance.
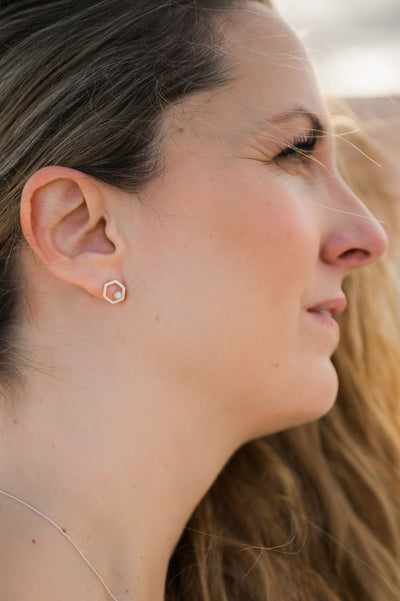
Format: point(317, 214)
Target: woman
point(174, 239)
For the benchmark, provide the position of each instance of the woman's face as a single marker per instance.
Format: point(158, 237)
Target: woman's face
point(243, 242)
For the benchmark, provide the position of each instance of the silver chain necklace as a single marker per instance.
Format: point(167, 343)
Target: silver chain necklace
point(65, 535)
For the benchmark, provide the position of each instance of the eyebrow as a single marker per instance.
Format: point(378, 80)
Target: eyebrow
point(315, 121)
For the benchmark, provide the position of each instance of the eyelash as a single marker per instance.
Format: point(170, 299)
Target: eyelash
point(300, 149)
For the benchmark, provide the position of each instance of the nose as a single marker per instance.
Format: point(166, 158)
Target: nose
point(353, 238)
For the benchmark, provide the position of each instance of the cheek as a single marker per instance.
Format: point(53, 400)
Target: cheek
point(236, 262)
point(269, 239)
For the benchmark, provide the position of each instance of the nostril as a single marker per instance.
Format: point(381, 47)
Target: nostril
point(355, 255)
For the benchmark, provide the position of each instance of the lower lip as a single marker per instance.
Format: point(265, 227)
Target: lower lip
point(326, 320)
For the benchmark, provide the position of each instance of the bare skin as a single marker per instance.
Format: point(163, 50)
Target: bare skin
point(130, 411)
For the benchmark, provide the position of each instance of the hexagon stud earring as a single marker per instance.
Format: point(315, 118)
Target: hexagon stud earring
point(114, 292)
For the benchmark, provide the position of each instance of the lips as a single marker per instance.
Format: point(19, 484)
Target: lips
point(322, 314)
point(330, 307)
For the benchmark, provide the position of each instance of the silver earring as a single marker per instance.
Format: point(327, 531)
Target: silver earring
point(118, 295)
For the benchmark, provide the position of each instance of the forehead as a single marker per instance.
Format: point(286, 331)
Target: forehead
point(272, 71)
point(271, 75)
point(272, 89)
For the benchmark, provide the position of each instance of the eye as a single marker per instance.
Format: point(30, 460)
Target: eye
point(299, 150)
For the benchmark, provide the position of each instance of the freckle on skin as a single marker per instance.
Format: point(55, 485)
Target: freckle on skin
point(127, 591)
point(15, 421)
point(276, 364)
point(34, 542)
point(157, 318)
point(64, 530)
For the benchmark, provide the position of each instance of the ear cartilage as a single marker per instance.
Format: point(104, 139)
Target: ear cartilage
point(118, 295)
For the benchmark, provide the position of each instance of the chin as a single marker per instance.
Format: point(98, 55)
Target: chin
point(311, 395)
point(322, 391)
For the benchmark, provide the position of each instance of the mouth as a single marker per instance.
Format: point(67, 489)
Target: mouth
point(325, 317)
point(330, 307)
point(325, 311)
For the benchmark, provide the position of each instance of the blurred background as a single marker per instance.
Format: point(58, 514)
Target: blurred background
point(355, 44)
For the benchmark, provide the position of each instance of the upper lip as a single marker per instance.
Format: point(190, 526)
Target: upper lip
point(334, 306)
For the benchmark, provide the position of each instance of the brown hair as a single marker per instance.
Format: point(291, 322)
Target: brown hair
point(313, 513)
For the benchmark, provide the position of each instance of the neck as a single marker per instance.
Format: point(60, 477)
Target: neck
point(121, 481)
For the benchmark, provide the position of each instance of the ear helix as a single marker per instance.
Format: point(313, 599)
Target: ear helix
point(114, 292)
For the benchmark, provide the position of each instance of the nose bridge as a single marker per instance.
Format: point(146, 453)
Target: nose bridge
point(355, 237)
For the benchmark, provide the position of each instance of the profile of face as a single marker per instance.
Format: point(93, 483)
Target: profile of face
point(249, 237)
point(238, 250)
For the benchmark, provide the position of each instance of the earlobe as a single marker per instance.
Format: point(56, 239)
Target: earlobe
point(66, 221)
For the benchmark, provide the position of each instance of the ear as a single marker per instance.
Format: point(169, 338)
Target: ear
point(70, 221)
